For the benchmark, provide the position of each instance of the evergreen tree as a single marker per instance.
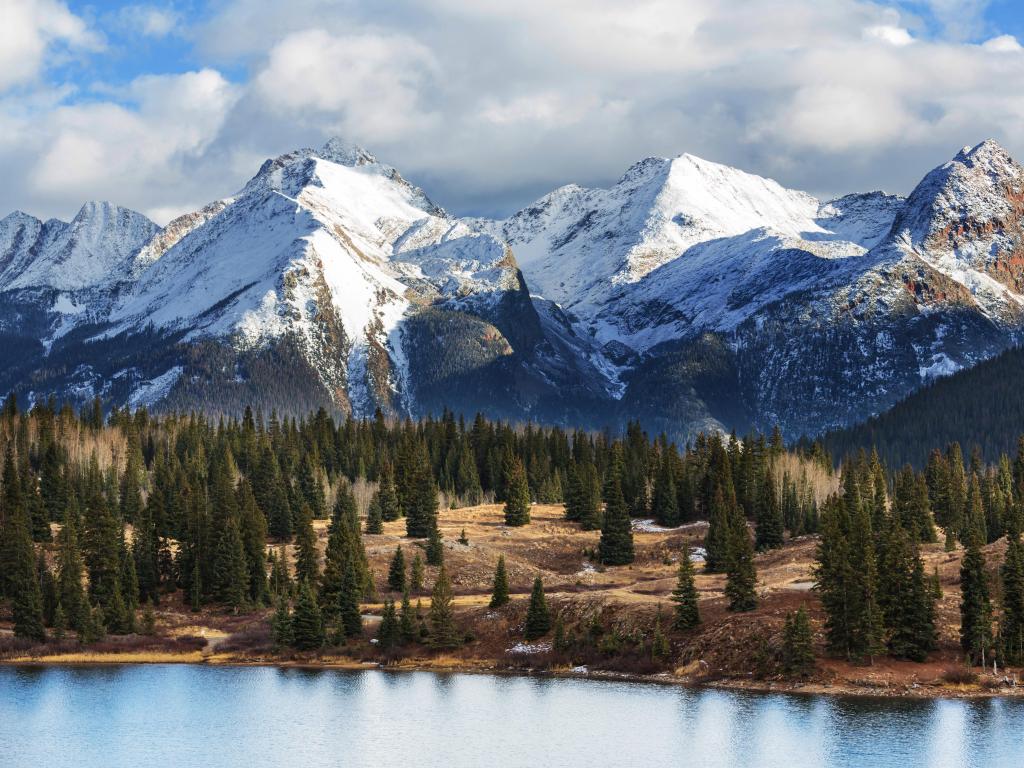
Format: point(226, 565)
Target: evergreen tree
point(396, 572)
point(687, 613)
point(281, 623)
point(616, 544)
point(253, 529)
point(905, 597)
point(499, 593)
point(665, 499)
point(716, 541)
point(416, 574)
point(1011, 624)
point(975, 604)
point(443, 631)
point(421, 501)
point(70, 594)
point(740, 574)
point(307, 567)
point(797, 645)
point(375, 516)
point(307, 621)
point(769, 533)
point(517, 494)
point(387, 497)
point(538, 618)
point(406, 620)
point(389, 635)
point(230, 574)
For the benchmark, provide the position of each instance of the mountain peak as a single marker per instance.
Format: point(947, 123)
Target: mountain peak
point(342, 152)
point(986, 151)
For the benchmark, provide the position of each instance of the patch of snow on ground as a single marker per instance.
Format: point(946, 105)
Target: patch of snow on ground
point(942, 365)
point(526, 648)
point(148, 392)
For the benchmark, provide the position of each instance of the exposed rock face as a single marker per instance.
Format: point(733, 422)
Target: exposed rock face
point(689, 295)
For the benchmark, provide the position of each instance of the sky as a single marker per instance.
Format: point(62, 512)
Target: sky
point(165, 106)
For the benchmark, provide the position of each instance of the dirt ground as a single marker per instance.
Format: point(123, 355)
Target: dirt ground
point(727, 650)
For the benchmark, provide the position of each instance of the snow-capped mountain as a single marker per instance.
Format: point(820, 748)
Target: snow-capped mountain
point(688, 294)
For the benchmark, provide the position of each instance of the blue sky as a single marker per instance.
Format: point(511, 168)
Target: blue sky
point(165, 105)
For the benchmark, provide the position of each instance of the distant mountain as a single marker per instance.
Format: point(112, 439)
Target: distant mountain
point(689, 295)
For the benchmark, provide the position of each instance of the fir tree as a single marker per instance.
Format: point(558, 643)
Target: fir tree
point(230, 574)
point(307, 621)
point(443, 631)
point(406, 620)
point(538, 618)
point(387, 498)
point(740, 574)
point(1011, 624)
point(307, 566)
point(665, 499)
point(421, 502)
point(975, 605)
point(435, 548)
point(687, 613)
point(797, 645)
point(616, 544)
point(769, 532)
point(281, 623)
point(499, 592)
point(416, 574)
point(389, 635)
point(517, 494)
point(716, 541)
point(375, 516)
point(396, 572)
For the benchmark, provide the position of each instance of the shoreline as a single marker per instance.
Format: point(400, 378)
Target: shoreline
point(918, 691)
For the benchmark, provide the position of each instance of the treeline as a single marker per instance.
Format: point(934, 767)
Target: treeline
point(145, 506)
point(981, 406)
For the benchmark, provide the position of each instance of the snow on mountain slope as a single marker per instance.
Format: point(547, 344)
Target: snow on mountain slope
point(90, 251)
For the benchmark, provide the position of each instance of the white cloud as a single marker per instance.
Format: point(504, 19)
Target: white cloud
point(488, 103)
point(30, 31)
point(888, 34)
point(150, 20)
point(1002, 44)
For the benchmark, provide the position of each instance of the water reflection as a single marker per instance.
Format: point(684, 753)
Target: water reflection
point(222, 717)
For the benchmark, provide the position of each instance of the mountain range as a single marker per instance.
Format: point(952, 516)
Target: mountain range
point(688, 295)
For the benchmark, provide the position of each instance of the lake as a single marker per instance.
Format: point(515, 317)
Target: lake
point(244, 717)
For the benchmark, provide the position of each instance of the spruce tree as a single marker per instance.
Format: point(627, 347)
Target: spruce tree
point(307, 567)
point(387, 497)
point(307, 621)
point(769, 533)
point(687, 613)
point(665, 499)
point(253, 528)
point(517, 494)
point(406, 620)
point(435, 548)
point(375, 516)
point(281, 623)
point(740, 574)
point(389, 635)
point(416, 574)
point(538, 618)
point(230, 574)
point(616, 544)
point(975, 604)
point(70, 568)
point(396, 571)
point(421, 500)
point(797, 645)
point(1011, 624)
point(499, 592)
point(443, 631)
point(716, 541)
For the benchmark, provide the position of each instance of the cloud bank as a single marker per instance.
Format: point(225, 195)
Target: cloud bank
point(490, 104)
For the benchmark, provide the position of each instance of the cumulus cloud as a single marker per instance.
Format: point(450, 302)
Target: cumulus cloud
point(33, 30)
point(150, 20)
point(489, 104)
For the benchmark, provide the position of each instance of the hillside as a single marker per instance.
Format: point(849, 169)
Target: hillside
point(982, 406)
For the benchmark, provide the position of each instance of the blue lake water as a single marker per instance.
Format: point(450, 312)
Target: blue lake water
point(243, 717)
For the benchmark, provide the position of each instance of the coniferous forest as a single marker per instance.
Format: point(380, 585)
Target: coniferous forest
point(120, 525)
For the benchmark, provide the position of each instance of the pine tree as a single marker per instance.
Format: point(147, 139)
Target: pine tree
point(975, 604)
point(687, 613)
point(375, 516)
point(406, 620)
point(70, 594)
point(307, 566)
point(253, 528)
point(769, 532)
point(416, 574)
point(435, 548)
point(281, 623)
point(716, 541)
point(396, 572)
point(307, 621)
point(389, 634)
point(905, 597)
point(538, 618)
point(421, 501)
point(616, 544)
point(230, 574)
point(517, 494)
point(797, 645)
point(443, 631)
point(499, 593)
point(1011, 624)
point(387, 497)
point(740, 574)
point(665, 499)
